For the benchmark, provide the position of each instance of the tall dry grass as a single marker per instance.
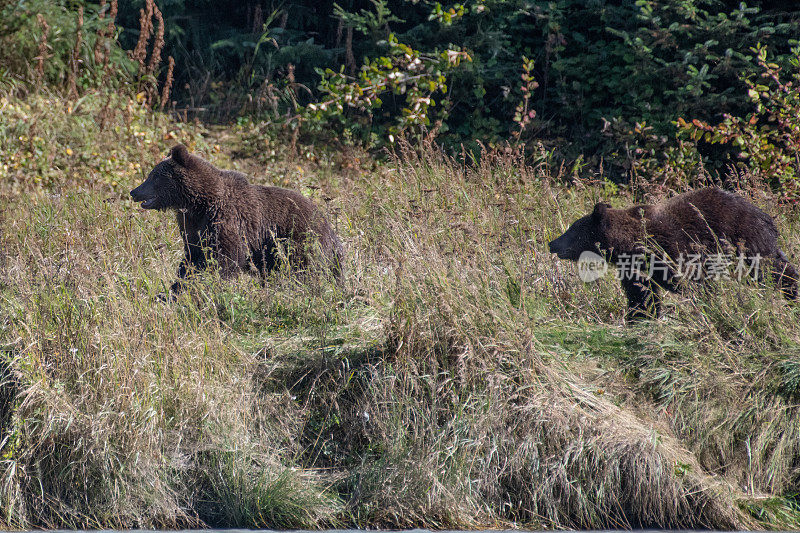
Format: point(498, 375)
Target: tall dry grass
point(462, 377)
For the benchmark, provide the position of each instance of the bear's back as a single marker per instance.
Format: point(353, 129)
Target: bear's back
point(293, 214)
point(706, 216)
point(257, 202)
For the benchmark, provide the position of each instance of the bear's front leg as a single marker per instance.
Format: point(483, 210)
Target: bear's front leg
point(195, 233)
point(177, 287)
point(193, 260)
point(643, 299)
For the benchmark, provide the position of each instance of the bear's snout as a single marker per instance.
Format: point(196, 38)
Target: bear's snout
point(556, 248)
point(145, 195)
point(136, 194)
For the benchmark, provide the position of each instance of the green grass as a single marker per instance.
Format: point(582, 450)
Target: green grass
point(462, 376)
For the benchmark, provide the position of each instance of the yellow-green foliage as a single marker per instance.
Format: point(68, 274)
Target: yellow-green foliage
point(101, 141)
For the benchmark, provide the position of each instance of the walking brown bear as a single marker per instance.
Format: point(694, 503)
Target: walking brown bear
point(225, 221)
point(666, 233)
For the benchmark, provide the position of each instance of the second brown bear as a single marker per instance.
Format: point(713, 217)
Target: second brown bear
point(226, 221)
point(667, 237)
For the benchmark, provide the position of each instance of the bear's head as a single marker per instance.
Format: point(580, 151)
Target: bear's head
point(165, 186)
point(583, 235)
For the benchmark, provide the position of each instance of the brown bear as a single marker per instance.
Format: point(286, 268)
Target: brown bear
point(225, 221)
point(654, 246)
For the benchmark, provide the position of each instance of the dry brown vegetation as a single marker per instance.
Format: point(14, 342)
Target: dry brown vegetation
point(463, 377)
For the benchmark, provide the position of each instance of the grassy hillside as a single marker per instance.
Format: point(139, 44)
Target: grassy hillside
point(462, 377)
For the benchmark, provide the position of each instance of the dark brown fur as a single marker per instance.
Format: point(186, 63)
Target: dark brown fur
point(225, 220)
point(704, 220)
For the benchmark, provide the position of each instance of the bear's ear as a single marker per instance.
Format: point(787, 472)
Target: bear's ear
point(180, 154)
point(600, 209)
